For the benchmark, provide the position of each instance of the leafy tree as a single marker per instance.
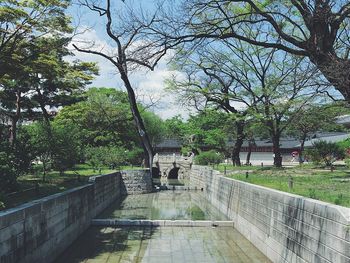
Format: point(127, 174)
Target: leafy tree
point(99, 157)
point(67, 148)
point(22, 22)
point(8, 173)
point(44, 80)
point(327, 152)
point(54, 145)
point(175, 128)
point(103, 118)
point(133, 47)
point(209, 157)
point(312, 119)
point(314, 29)
point(248, 82)
point(153, 124)
point(41, 139)
point(207, 130)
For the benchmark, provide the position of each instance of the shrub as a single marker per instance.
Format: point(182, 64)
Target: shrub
point(98, 157)
point(345, 146)
point(326, 152)
point(209, 157)
point(8, 175)
point(135, 156)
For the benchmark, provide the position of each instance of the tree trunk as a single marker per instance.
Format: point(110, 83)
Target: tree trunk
point(15, 118)
point(42, 107)
point(236, 160)
point(250, 147)
point(277, 160)
point(301, 151)
point(336, 70)
point(146, 144)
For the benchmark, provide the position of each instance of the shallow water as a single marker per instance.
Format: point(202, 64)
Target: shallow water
point(172, 244)
point(170, 205)
point(164, 244)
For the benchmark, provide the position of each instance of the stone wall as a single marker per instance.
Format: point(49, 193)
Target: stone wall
point(40, 230)
point(285, 227)
point(136, 182)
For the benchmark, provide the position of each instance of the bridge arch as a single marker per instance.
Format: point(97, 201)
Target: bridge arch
point(172, 166)
point(174, 173)
point(156, 172)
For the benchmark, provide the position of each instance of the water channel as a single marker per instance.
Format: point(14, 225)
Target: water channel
point(162, 244)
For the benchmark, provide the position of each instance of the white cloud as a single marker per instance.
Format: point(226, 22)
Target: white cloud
point(149, 85)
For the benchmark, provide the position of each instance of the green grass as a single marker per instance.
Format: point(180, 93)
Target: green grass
point(229, 167)
point(309, 181)
point(54, 183)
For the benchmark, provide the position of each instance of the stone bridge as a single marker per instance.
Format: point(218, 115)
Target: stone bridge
point(171, 166)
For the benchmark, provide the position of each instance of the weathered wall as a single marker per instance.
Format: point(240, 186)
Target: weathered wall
point(40, 230)
point(285, 227)
point(136, 182)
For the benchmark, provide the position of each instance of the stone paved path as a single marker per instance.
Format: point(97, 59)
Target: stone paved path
point(163, 244)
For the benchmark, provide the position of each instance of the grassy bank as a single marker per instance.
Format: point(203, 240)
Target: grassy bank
point(309, 181)
point(32, 186)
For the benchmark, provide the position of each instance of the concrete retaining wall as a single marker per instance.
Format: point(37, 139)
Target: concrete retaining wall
point(40, 230)
point(136, 182)
point(285, 227)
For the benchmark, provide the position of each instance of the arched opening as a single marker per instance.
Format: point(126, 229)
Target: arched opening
point(174, 173)
point(155, 172)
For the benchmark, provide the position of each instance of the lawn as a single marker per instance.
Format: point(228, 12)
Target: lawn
point(309, 181)
point(31, 186)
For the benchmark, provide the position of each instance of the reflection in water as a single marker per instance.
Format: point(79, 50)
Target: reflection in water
point(170, 205)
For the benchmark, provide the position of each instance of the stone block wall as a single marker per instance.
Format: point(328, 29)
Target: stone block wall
point(285, 227)
point(40, 230)
point(136, 182)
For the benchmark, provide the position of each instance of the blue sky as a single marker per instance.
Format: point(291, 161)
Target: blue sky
point(149, 85)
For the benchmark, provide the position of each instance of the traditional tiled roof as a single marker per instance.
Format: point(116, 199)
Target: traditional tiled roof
point(285, 142)
point(334, 138)
point(345, 119)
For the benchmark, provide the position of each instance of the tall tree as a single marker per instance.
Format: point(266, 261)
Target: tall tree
point(211, 82)
point(44, 80)
point(22, 22)
point(132, 48)
point(258, 83)
point(316, 29)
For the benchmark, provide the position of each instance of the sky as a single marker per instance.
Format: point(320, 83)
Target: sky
point(149, 85)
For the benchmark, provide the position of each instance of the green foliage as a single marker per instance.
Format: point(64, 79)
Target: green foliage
point(209, 157)
point(175, 128)
point(134, 156)
point(206, 130)
point(345, 146)
point(22, 152)
point(315, 118)
point(326, 152)
point(8, 174)
point(66, 150)
point(56, 146)
point(154, 126)
point(103, 118)
point(98, 157)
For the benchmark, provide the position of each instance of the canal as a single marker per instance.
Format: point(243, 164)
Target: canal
point(162, 244)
